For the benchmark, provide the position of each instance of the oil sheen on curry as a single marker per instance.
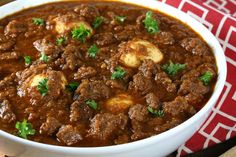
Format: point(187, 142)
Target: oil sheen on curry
point(88, 74)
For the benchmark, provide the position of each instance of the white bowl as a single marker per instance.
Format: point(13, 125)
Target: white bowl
point(159, 145)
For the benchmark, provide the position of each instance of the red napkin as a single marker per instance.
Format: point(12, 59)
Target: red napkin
point(219, 16)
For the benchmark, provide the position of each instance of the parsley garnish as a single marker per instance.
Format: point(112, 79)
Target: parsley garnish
point(60, 40)
point(72, 86)
point(158, 113)
point(27, 60)
point(150, 23)
point(24, 129)
point(206, 77)
point(44, 57)
point(97, 22)
point(119, 73)
point(93, 50)
point(120, 19)
point(92, 103)
point(43, 87)
point(172, 69)
point(38, 21)
point(81, 33)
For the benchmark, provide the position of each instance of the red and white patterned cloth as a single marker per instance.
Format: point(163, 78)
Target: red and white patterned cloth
point(219, 16)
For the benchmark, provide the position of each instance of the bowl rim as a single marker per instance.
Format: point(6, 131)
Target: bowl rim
point(153, 5)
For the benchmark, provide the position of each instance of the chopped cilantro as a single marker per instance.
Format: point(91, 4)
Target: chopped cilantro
point(120, 19)
point(97, 22)
point(119, 73)
point(44, 57)
point(206, 77)
point(93, 50)
point(81, 33)
point(72, 86)
point(27, 60)
point(24, 129)
point(60, 40)
point(150, 23)
point(92, 103)
point(38, 21)
point(43, 87)
point(158, 113)
point(172, 69)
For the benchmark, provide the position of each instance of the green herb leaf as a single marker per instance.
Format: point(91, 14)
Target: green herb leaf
point(97, 22)
point(93, 50)
point(27, 60)
point(150, 23)
point(158, 113)
point(44, 57)
point(206, 77)
point(72, 86)
point(38, 21)
point(60, 40)
point(119, 73)
point(120, 19)
point(43, 87)
point(24, 129)
point(172, 69)
point(91, 103)
point(81, 33)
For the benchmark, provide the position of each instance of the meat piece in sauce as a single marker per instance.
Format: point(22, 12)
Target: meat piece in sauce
point(89, 12)
point(79, 111)
point(195, 46)
point(105, 125)
point(14, 28)
point(93, 90)
point(69, 135)
point(5, 43)
point(6, 113)
point(50, 126)
point(178, 106)
point(85, 72)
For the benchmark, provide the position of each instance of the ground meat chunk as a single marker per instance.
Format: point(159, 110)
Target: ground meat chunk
point(50, 126)
point(69, 135)
point(195, 46)
point(149, 68)
point(6, 113)
point(139, 113)
point(143, 125)
point(178, 106)
point(85, 72)
point(191, 86)
point(72, 57)
point(103, 39)
point(119, 84)
point(9, 80)
point(207, 67)
point(79, 111)
point(87, 11)
point(9, 56)
point(162, 78)
point(46, 46)
point(141, 83)
point(93, 90)
point(153, 101)
point(194, 99)
point(165, 38)
point(14, 28)
point(5, 43)
point(104, 126)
